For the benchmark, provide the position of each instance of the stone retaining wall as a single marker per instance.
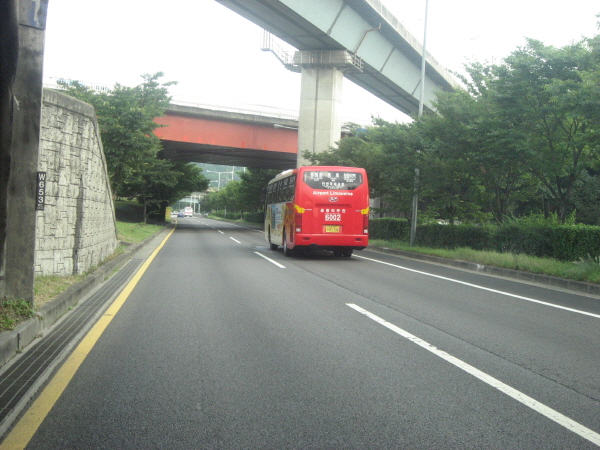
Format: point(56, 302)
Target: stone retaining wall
point(76, 230)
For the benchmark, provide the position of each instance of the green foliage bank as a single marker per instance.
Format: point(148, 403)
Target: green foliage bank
point(133, 152)
point(541, 238)
point(520, 137)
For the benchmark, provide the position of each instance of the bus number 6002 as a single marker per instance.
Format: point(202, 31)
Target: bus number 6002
point(333, 217)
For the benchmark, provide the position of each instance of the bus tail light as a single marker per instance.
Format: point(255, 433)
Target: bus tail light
point(365, 223)
point(298, 222)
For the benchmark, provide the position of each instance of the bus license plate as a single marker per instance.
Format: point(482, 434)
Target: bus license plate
point(332, 228)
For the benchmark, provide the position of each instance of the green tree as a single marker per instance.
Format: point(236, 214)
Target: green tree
point(252, 185)
point(388, 152)
point(227, 198)
point(465, 172)
point(162, 182)
point(126, 120)
point(586, 198)
point(537, 89)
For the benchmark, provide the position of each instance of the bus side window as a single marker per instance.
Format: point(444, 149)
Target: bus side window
point(291, 188)
point(283, 190)
point(286, 191)
point(278, 191)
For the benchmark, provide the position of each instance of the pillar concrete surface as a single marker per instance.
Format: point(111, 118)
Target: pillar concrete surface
point(319, 122)
point(21, 196)
point(9, 51)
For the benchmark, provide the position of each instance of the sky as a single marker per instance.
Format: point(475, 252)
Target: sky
point(215, 55)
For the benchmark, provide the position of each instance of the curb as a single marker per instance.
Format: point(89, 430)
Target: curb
point(545, 280)
point(14, 341)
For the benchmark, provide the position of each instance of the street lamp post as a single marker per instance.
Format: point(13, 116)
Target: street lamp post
point(415, 202)
point(214, 171)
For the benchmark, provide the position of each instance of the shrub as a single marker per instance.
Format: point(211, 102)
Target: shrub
point(389, 229)
point(562, 242)
point(453, 236)
point(254, 217)
point(573, 242)
point(533, 236)
point(12, 312)
point(534, 240)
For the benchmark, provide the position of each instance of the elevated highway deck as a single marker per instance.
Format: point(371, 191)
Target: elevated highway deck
point(391, 56)
point(194, 134)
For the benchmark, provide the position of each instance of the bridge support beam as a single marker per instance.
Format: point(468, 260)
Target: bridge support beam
point(319, 123)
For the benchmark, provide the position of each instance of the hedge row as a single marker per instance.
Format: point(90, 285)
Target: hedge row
point(389, 229)
point(562, 242)
point(453, 236)
point(254, 217)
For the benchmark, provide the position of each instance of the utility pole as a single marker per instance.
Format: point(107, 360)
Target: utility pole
point(415, 201)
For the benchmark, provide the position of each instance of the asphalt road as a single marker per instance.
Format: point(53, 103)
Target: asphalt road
point(226, 344)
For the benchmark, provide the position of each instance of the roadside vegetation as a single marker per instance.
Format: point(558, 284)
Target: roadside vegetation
point(131, 233)
point(14, 312)
point(130, 230)
point(586, 269)
point(136, 166)
point(520, 137)
point(509, 166)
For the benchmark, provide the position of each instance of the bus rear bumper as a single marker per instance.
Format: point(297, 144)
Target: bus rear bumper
point(328, 242)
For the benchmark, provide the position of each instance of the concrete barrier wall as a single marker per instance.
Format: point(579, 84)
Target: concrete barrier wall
point(76, 230)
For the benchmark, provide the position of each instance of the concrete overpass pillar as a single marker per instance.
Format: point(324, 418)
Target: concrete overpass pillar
point(319, 121)
point(320, 124)
point(21, 133)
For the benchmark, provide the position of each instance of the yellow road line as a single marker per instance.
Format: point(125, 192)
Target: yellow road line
point(26, 427)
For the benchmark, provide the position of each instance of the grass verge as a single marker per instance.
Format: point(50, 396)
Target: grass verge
point(14, 312)
point(132, 233)
point(48, 287)
point(129, 231)
point(586, 269)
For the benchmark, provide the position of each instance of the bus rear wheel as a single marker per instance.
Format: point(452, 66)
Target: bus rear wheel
point(286, 250)
point(271, 245)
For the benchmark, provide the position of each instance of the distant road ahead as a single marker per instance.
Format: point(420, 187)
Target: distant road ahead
point(226, 344)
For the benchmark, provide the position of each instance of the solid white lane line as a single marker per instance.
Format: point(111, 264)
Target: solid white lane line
point(270, 260)
point(550, 413)
point(220, 231)
point(234, 240)
point(597, 316)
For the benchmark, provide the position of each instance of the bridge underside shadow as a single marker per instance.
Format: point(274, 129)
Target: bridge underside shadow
point(228, 156)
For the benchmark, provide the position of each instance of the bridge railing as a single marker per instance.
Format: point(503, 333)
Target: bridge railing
point(259, 110)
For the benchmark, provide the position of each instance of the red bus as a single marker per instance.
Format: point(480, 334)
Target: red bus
point(318, 207)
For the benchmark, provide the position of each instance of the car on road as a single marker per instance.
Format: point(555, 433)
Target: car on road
point(180, 214)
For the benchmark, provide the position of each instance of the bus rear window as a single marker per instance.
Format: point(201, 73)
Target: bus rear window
point(343, 181)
